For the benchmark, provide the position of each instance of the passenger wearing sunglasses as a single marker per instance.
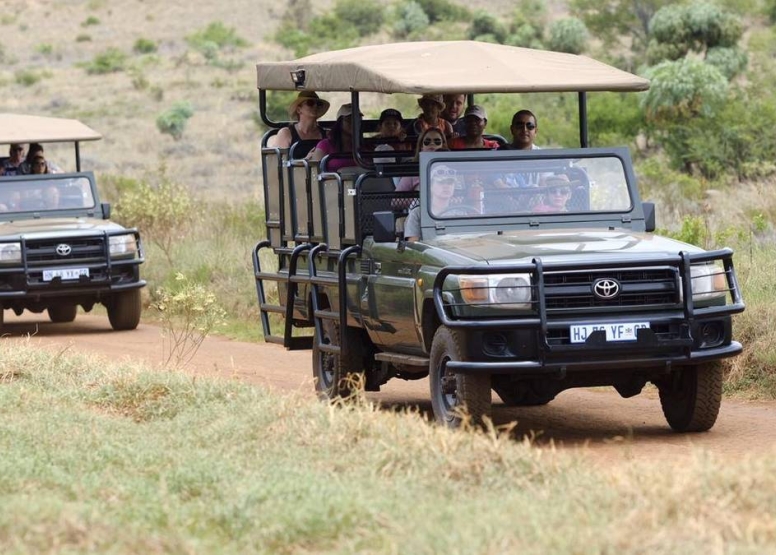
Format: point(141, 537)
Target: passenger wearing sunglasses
point(556, 192)
point(430, 140)
point(12, 164)
point(443, 184)
point(524, 129)
point(304, 112)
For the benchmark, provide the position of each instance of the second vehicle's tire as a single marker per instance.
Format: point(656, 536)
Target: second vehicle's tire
point(453, 396)
point(124, 310)
point(335, 379)
point(60, 314)
point(691, 398)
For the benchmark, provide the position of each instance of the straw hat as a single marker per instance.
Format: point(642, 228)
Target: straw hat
point(436, 98)
point(323, 105)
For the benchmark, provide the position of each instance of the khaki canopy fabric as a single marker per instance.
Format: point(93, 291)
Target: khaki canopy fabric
point(438, 67)
point(16, 128)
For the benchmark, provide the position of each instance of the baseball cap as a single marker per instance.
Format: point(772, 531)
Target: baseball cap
point(390, 113)
point(475, 110)
point(345, 110)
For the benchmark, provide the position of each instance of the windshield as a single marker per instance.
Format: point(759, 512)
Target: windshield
point(505, 187)
point(35, 195)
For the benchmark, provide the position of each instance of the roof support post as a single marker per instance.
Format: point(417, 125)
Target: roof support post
point(77, 157)
point(583, 142)
point(357, 132)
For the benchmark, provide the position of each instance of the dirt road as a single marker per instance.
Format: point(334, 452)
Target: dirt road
point(597, 420)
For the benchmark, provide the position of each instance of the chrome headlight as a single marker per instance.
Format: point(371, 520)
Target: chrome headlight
point(123, 245)
point(497, 290)
point(708, 282)
point(10, 253)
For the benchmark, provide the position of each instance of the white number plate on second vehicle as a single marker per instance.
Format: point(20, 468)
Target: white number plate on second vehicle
point(65, 273)
point(614, 332)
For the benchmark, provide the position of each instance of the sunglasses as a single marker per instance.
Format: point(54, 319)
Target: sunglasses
point(446, 181)
point(313, 103)
point(560, 191)
point(427, 142)
point(39, 163)
point(527, 124)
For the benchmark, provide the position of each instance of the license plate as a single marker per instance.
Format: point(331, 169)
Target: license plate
point(614, 332)
point(65, 273)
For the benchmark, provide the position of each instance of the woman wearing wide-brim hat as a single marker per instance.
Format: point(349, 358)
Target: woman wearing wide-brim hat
point(432, 106)
point(306, 108)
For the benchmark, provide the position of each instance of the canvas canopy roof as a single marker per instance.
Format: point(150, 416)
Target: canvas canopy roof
point(444, 66)
point(17, 128)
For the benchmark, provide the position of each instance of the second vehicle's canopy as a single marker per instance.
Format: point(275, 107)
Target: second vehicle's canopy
point(446, 66)
point(20, 128)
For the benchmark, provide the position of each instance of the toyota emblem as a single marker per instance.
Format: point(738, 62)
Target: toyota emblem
point(63, 249)
point(606, 288)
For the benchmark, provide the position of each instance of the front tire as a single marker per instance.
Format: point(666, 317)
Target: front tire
point(61, 314)
point(335, 378)
point(453, 396)
point(692, 397)
point(124, 310)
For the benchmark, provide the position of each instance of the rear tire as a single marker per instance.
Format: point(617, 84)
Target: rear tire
point(691, 397)
point(61, 314)
point(124, 310)
point(455, 395)
point(335, 378)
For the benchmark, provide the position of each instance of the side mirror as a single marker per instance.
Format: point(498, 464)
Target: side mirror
point(384, 227)
point(649, 215)
point(105, 210)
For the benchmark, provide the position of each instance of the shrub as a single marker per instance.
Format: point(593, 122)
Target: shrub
point(438, 10)
point(45, 49)
point(410, 19)
point(110, 61)
point(484, 24)
point(89, 21)
point(729, 61)
point(365, 15)
point(332, 34)
point(83, 37)
point(27, 77)
point(568, 35)
point(144, 46)
point(293, 38)
point(218, 34)
point(173, 120)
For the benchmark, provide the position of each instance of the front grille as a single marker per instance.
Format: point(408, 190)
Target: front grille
point(43, 252)
point(644, 288)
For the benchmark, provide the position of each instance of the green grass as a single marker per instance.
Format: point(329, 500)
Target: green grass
point(104, 458)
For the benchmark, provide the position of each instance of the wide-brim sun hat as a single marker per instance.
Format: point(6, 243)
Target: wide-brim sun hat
point(308, 95)
point(435, 98)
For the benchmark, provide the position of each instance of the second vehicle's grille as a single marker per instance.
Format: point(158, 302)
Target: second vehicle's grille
point(81, 249)
point(644, 287)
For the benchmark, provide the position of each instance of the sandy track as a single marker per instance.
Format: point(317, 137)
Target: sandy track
point(596, 420)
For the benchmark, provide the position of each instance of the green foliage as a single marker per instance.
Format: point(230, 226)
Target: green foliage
point(485, 25)
point(189, 313)
point(144, 46)
point(28, 77)
point(611, 20)
point(173, 120)
point(729, 61)
point(216, 35)
point(443, 10)
point(139, 80)
point(694, 231)
point(45, 49)
point(161, 209)
point(410, 19)
point(525, 35)
point(683, 90)
point(678, 29)
point(111, 60)
point(83, 37)
point(331, 34)
point(366, 16)
point(295, 39)
point(89, 21)
point(614, 118)
point(568, 35)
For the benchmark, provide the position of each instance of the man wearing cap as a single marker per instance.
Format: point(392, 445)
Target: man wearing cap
point(476, 120)
point(305, 111)
point(432, 106)
point(453, 112)
point(443, 187)
point(12, 164)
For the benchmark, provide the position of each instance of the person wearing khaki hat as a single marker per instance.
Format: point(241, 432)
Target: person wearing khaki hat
point(304, 111)
point(556, 192)
point(432, 106)
point(338, 143)
point(476, 119)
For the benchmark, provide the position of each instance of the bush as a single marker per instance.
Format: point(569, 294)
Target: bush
point(89, 21)
point(365, 15)
point(729, 61)
point(568, 35)
point(144, 46)
point(216, 34)
point(110, 61)
point(293, 38)
point(83, 37)
point(438, 10)
point(410, 19)
point(173, 120)
point(486, 25)
point(27, 77)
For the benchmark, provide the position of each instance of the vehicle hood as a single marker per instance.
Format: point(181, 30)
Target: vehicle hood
point(558, 245)
point(42, 227)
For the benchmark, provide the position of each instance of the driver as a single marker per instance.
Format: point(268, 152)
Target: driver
point(442, 189)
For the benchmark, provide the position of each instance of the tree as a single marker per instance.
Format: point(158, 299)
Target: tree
point(410, 19)
point(484, 25)
point(568, 35)
point(365, 15)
